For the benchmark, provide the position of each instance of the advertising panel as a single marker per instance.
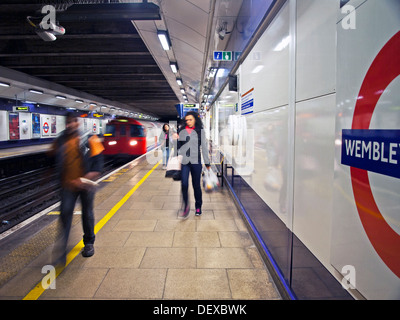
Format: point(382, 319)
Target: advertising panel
point(13, 125)
point(35, 125)
point(24, 125)
point(45, 125)
point(53, 126)
point(366, 220)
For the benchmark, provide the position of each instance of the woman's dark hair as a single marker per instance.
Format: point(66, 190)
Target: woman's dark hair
point(197, 123)
point(163, 127)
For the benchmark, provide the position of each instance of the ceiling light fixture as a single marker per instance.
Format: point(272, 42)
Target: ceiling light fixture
point(163, 36)
point(174, 67)
point(212, 72)
point(4, 84)
point(179, 81)
point(35, 91)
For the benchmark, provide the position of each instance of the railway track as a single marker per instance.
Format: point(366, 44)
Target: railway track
point(28, 193)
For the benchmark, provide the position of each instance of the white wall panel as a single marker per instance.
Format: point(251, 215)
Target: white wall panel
point(313, 185)
point(3, 125)
point(316, 48)
point(269, 179)
point(266, 68)
point(60, 121)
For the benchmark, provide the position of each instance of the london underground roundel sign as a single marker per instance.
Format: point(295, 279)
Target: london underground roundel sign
point(46, 127)
point(384, 69)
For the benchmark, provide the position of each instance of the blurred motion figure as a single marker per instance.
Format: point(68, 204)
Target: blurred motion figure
point(79, 162)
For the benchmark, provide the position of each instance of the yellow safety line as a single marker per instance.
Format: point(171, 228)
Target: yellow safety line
point(36, 292)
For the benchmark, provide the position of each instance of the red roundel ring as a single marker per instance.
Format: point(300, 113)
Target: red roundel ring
point(384, 69)
point(46, 127)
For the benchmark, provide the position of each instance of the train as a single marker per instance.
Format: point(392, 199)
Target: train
point(126, 137)
point(122, 136)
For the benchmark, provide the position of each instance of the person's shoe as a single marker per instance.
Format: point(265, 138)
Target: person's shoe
point(185, 212)
point(88, 250)
point(198, 212)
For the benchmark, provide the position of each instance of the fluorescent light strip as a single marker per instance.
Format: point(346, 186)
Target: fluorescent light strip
point(174, 67)
point(35, 91)
point(164, 39)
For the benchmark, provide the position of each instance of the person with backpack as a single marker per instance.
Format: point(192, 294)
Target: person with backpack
point(79, 162)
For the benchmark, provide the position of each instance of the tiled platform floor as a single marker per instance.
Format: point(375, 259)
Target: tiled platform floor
point(145, 252)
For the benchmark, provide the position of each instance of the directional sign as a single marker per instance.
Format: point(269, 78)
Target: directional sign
point(236, 55)
point(222, 55)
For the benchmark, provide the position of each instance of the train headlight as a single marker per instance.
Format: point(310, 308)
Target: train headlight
point(133, 143)
point(111, 143)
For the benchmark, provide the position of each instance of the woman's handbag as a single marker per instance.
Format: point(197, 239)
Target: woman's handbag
point(174, 168)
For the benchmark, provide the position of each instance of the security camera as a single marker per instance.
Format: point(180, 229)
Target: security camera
point(221, 34)
point(52, 28)
point(45, 35)
point(223, 30)
point(47, 31)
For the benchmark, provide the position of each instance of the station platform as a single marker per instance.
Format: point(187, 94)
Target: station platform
point(142, 249)
point(8, 153)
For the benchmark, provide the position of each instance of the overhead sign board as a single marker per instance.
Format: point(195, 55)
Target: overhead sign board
point(21, 109)
point(222, 55)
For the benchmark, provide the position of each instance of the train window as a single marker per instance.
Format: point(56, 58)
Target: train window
point(137, 131)
point(110, 130)
point(122, 131)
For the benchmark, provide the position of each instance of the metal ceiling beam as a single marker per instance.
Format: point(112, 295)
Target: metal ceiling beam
point(110, 12)
point(79, 60)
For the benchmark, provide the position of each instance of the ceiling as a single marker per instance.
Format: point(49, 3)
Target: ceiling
point(109, 59)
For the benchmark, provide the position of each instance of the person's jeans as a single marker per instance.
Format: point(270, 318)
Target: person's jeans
point(68, 200)
point(165, 156)
point(195, 170)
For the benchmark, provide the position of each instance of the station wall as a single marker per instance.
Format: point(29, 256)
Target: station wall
point(39, 125)
point(290, 100)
